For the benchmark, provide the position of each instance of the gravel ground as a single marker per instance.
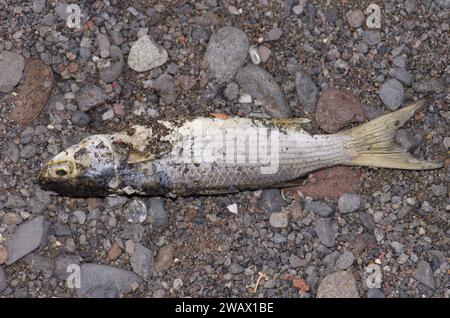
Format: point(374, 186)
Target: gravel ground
point(347, 232)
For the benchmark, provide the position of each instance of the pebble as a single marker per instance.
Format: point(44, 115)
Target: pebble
point(338, 108)
point(402, 75)
point(324, 232)
point(371, 37)
point(12, 152)
point(110, 71)
point(142, 261)
point(15, 202)
point(400, 61)
point(114, 252)
point(135, 211)
point(254, 54)
point(439, 190)
point(306, 90)
point(28, 151)
point(158, 212)
point(345, 260)
point(424, 274)
point(95, 275)
point(432, 85)
point(260, 84)
point(444, 4)
point(340, 284)
point(226, 53)
point(145, 54)
point(274, 34)
point(3, 281)
point(231, 91)
point(279, 219)
point(103, 45)
point(89, 97)
point(271, 201)
point(108, 115)
point(320, 208)
point(42, 265)
point(355, 18)
point(11, 69)
point(164, 259)
point(264, 53)
point(166, 88)
point(233, 208)
point(392, 94)
point(406, 140)
point(446, 142)
point(38, 5)
point(349, 202)
point(236, 268)
point(245, 99)
point(27, 237)
point(80, 119)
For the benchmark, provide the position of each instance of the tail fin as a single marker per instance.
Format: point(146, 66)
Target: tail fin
point(372, 144)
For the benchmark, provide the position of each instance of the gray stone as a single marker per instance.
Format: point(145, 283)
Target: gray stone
point(226, 53)
point(355, 18)
point(371, 37)
point(406, 140)
point(279, 238)
point(274, 34)
point(103, 45)
point(89, 97)
point(11, 68)
point(135, 211)
point(27, 237)
point(402, 75)
point(40, 264)
point(307, 91)
point(444, 4)
point(260, 85)
point(61, 230)
point(111, 71)
point(61, 10)
point(411, 6)
point(424, 274)
point(166, 88)
point(345, 260)
point(400, 61)
point(279, 220)
point(392, 94)
point(28, 151)
point(320, 208)
point(145, 54)
point(80, 119)
point(103, 291)
point(65, 264)
point(142, 261)
point(231, 91)
point(446, 142)
point(235, 268)
point(271, 201)
point(133, 232)
point(375, 293)
point(158, 212)
point(12, 152)
point(172, 69)
point(38, 5)
point(115, 202)
point(94, 275)
point(14, 201)
point(324, 232)
point(349, 202)
point(3, 281)
point(338, 285)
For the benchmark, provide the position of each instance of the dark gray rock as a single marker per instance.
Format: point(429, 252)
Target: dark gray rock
point(135, 211)
point(11, 68)
point(157, 212)
point(355, 18)
point(324, 232)
point(226, 53)
point(61, 230)
point(38, 5)
point(142, 261)
point(424, 274)
point(320, 208)
point(349, 202)
point(392, 94)
point(260, 85)
point(40, 264)
point(345, 260)
point(133, 232)
point(12, 152)
point(439, 190)
point(271, 201)
point(89, 97)
point(15, 201)
point(307, 91)
point(80, 119)
point(111, 71)
point(28, 151)
point(27, 237)
point(371, 37)
point(94, 275)
point(62, 262)
point(406, 140)
point(235, 268)
point(103, 291)
point(274, 34)
point(432, 85)
point(231, 91)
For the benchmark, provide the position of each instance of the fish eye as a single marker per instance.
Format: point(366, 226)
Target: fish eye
point(61, 172)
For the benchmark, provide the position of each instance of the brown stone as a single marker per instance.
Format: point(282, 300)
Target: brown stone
point(164, 258)
point(114, 252)
point(3, 254)
point(337, 108)
point(33, 92)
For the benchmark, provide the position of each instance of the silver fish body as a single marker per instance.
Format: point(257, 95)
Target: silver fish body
point(213, 155)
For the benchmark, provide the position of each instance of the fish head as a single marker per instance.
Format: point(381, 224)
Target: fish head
point(84, 169)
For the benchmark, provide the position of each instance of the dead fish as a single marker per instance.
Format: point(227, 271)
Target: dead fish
point(220, 155)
